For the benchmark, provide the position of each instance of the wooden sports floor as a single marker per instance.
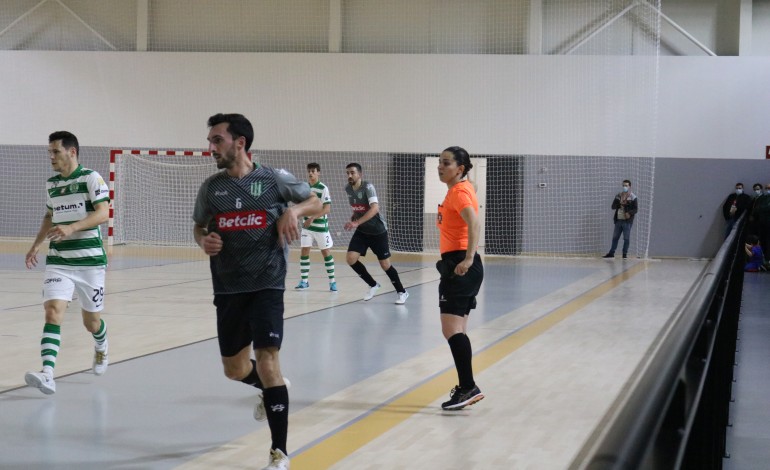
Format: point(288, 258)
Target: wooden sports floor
point(556, 343)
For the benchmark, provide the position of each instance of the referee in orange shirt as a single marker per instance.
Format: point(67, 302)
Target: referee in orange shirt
point(461, 269)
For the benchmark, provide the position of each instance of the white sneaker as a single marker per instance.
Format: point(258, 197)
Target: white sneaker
point(278, 461)
point(372, 290)
point(101, 361)
point(402, 296)
point(260, 414)
point(41, 381)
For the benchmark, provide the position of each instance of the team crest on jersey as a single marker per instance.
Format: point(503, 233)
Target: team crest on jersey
point(256, 188)
point(73, 187)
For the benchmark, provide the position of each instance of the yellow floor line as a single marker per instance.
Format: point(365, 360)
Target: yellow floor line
point(346, 441)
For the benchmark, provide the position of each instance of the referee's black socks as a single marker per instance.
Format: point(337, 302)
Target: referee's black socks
point(460, 345)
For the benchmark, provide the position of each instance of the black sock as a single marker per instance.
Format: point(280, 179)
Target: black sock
point(359, 268)
point(460, 345)
point(393, 275)
point(253, 378)
point(277, 408)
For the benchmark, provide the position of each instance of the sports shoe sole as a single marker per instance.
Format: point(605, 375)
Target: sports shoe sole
point(34, 381)
point(459, 406)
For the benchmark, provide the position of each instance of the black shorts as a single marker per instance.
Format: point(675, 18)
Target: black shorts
point(359, 243)
point(249, 318)
point(457, 294)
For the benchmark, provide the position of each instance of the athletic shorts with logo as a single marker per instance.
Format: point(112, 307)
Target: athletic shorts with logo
point(246, 318)
point(457, 294)
point(360, 242)
point(61, 284)
point(322, 239)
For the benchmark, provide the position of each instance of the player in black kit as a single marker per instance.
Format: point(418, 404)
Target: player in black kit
point(371, 232)
point(244, 223)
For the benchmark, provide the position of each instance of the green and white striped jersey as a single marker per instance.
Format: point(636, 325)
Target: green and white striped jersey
point(71, 199)
point(320, 224)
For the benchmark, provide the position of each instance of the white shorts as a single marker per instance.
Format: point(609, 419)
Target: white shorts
point(60, 284)
point(322, 239)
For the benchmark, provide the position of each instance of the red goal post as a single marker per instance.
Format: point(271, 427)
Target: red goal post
point(174, 158)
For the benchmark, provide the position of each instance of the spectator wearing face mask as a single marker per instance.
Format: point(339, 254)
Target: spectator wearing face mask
point(752, 226)
point(624, 206)
point(734, 206)
point(761, 215)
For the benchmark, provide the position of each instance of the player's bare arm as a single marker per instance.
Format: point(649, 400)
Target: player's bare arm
point(327, 209)
point(287, 224)
point(474, 227)
point(374, 209)
point(45, 226)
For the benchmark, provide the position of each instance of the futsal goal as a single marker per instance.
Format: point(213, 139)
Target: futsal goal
point(152, 195)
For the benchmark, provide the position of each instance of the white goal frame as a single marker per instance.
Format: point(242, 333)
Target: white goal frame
point(113, 156)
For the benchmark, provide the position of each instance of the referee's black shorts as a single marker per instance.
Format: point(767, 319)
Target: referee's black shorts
point(457, 294)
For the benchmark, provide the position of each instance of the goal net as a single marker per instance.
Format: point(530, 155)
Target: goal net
point(153, 194)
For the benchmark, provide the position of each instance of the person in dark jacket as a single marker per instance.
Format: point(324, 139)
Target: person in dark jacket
point(624, 206)
point(734, 206)
point(760, 214)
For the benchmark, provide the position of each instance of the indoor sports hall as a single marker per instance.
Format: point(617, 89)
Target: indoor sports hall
point(586, 362)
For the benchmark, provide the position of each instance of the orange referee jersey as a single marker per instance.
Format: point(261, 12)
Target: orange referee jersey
point(451, 226)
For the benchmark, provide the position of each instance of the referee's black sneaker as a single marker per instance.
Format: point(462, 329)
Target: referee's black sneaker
point(459, 398)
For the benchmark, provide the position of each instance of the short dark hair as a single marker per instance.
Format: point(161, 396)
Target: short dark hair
point(357, 166)
point(739, 184)
point(314, 166)
point(627, 181)
point(752, 239)
point(461, 158)
point(237, 126)
point(757, 186)
point(68, 140)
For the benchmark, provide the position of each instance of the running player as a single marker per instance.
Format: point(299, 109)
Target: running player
point(244, 223)
point(370, 232)
point(78, 202)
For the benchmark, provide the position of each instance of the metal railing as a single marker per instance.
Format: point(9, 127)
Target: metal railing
point(675, 414)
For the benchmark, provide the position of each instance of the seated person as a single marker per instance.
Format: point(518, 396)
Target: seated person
point(754, 252)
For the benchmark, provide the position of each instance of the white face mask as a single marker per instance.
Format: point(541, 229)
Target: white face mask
point(625, 189)
point(738, 192)
point(758, 192)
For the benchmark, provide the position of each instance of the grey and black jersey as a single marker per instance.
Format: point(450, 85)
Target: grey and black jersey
point(360, 201)
point(244, 213)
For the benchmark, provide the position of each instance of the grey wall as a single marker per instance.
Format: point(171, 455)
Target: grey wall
point(687, 218)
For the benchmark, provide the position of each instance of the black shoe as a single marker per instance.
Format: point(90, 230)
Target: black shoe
point(625, 256)
point(609, 255)
point(459, 398)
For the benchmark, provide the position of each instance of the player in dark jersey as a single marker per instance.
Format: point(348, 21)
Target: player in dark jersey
point(370, 232)
point(243, 222)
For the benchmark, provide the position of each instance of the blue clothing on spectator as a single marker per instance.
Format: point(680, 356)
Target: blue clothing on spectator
point(756, 260)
